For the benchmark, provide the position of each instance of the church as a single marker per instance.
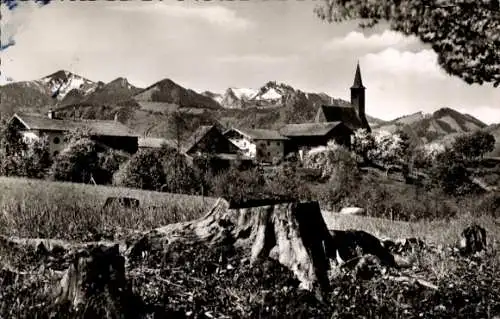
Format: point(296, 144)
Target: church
point(353, 116)
point(332, 122)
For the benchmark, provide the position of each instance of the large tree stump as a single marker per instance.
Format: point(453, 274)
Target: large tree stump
point(294, 231)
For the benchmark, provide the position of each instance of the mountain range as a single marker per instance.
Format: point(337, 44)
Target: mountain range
point(150, 110)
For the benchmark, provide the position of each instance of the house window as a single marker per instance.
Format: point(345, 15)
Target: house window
point(268, 143)
point(278, 143)
point(56, 140)
point(268, 153)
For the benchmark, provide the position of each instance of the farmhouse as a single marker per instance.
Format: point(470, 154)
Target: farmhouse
point(307, 135)
point(110, 133)
point(353, 115)
point(261, 144)
point(208, 139)
point(210, 142)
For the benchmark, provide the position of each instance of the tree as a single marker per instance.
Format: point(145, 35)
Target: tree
point(390, 149)
point(484, 143)
point(12, 147)
point(363, 144)
point(36, 159)
point(143, 170)
point(180, 177)
point(450, 174)
point(108, 163)
point(77, 162)
point(464, 33)
point(471, 146)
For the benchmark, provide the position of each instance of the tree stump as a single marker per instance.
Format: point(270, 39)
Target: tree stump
point(95, 284)
point(473, 240)
point(295, 231)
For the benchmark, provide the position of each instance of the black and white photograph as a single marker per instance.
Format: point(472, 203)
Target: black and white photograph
point(216, 159)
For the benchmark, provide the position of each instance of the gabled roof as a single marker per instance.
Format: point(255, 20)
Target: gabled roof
point(154, 142)
point(104, 128)
point(308, 129)
point(259, 134)
point(336, 113)
point(197, 136)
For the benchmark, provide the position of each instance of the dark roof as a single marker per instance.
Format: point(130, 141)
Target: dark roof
point(232, 157)
point(308, 129)
point(260, 134)
point(105, 128)
point(197, 136)
point(344, 114)
point(154, 142)
point(358, 83)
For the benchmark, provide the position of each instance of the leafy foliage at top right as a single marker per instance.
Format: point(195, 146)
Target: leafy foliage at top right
point(464, 33)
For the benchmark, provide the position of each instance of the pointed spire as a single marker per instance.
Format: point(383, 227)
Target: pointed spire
point(358, 83)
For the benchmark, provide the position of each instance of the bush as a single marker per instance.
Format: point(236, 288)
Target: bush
point(180, 177)
point(238, 186)
point(143, 170)
point(340, 169)
point(450, 174)
point(285, 182)
point(108, 163)
point(472, 146)
point(76, 163)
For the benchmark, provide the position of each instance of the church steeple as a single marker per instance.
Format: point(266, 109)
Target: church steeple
point(358, 97)
point(358, 83)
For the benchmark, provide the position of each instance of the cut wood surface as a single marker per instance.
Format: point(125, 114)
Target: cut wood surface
point(294, 231)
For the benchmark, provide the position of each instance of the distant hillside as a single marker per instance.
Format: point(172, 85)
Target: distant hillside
point(169, 92)
point(62, 88)
point(435, 126)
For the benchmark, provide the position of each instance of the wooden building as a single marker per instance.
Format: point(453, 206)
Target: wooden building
point(110, 133)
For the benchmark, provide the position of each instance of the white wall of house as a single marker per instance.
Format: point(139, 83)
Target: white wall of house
point(247, 146)
point(55, 139)
point(29, 136)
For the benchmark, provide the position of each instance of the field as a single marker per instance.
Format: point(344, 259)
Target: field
point(36, 208)
point(183, 282)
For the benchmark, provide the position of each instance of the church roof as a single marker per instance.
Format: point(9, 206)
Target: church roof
point(358, 82)
point(336, 113)
point(308, 129)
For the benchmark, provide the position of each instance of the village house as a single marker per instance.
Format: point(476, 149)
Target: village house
point(112, 134)
point(261, 144)
point(210, 142)
point(308, 135)
point(208, 139)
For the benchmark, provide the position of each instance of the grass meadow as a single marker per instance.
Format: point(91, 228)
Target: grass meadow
point(36, 208)
point(468, 288)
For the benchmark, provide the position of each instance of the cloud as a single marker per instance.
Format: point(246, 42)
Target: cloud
point(14, 17)
point(215, 15)
point(358, 41)
point(5, 79)
point(404, 63)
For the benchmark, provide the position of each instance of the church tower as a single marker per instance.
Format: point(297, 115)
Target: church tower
point(358, 97)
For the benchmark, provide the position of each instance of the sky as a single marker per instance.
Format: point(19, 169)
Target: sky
point(213, 45)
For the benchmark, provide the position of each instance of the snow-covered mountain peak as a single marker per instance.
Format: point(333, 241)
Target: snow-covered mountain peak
point(62, 82)
point(243, 93)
